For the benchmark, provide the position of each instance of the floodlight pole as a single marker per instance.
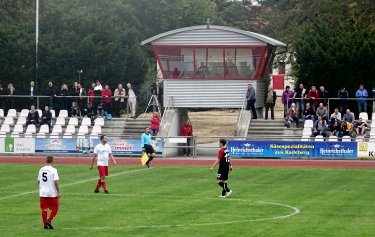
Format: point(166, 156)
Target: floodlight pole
point(36, 46)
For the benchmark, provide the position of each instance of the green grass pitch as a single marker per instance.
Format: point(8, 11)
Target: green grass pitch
point(183, 201)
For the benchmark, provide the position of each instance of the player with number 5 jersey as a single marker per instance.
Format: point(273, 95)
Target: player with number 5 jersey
point(224, 167)
point(49, 192)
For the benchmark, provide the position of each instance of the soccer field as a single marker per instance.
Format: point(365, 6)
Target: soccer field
point(183, 201)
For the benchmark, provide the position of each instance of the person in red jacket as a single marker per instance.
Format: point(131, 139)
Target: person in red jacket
point(313, 95)
point(187, 131)
point(90, 94)
point(155, 123)
point(107, 100)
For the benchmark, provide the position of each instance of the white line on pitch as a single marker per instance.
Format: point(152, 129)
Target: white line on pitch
point(70, 184)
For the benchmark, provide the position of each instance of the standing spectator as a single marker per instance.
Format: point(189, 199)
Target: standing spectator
point(348, 116)
point(343, 99)
point(320, 127)
point(250, 97)
point(64, 100)
point(323, 95)
point(132, 100)
point(361, 95)
point(287, 99)
point(75, 111)
point(299, 96)
point(336, 115)
point(2, 97)
point(322, 111)
point(292, 116)
point(49, 192)
point(187, 131)
point(75, 93)
point(270, 102)
point(335, 127)
point(81, 100)
point(107, 100)
point(91, 94)
point(46, 117)
point(313, 95)
point(31, 91)
point(309, 113)
point(102, 153)
point(52, 93)
point(11, 91)
point(32, 117)
point(119, 95)
point(98, 94)
point(155, 123)
point(360, 126)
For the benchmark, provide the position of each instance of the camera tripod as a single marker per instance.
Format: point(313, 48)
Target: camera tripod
point(154, 103)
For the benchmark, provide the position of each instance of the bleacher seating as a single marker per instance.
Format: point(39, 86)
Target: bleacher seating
point(9, 121)
point(305, 138)
point(53, 113)
point(86, 121)
point(60, 121)
point(39, 112)
point(44, 129)
point(24, 113)
point(54, 135)
point(346, 139)
point(31, 128)
point(41, 135)
point(319, 138)
point(308, 124)
point(18, 128)
point(1, 113)
point(306, 131)
point(99, 121)
point(96, 129)
point(73, 121)
point(5, 128)
point(63, 113)
point(57, 129)
point(332, 138)
point(83, 130)
point(67, 135)
point(12, 113)
point(14, 134)
point(70, 129)
point(364, 116)
point(21, 120)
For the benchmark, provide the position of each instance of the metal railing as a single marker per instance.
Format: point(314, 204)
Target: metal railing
point(240, 116)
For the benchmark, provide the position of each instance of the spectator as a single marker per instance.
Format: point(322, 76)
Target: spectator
point(323, 95)
point(250, 97)
point(299, 95)
point(292, 116)
point(32, 117)
point(287, 99)
point(46, 117)
point(270, 102)
point(336, 115)
point(346, 129)
point(202, 71)
point(11, 91)
point(322, 111)
point(343, 99)
point(52, 93)
point(100, 110)
point(88, 111)
point(320, 127)
point(176, 73)
point(335, 127)
point(91, 94)
point(107, 100)
point(119, 95)
point(309, 113)
point(2, 97)
point(348, 116)
point(64, 100)
point(132, 100)
point(187, 131)
point(98, 94)
point(313, 96)
point(155, 123)
point(75, 111)
point(360, 126)
point(31, 91)
point(82, 93)
point(361, 95)
point(75, 93)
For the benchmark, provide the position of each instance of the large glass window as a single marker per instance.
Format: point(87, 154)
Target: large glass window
point(176, 62)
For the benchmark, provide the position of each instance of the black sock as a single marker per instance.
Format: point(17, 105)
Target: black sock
point(226, 187)
point(223, 189)
point(149, 160)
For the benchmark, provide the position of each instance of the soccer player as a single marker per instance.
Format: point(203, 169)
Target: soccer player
point(102, 152)
point(49, 192)
point(224, 167)
point(146, 146)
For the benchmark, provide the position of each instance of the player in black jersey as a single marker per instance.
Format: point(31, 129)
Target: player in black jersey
point(224, 167)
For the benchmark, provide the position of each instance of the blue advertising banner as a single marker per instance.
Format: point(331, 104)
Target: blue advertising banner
point(58, 145)
point(285, 149)
point(130, 146)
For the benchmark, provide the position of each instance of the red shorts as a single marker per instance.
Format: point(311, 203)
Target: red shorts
point(103, 170)
point(49, 202)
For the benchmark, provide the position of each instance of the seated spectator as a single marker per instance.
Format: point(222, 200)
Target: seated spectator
point(335, 127)
point(346, 129)
point(88, 110)
point(309, 113)
point(322, 111)
point(348, 116)
point(100, 110)
point(155, 123)
point(176, 73)
point(360, 126)
point(320, 127)
point(46, 117)
point(292, 116)
point(336, 115)
point(32, 117)
point(75, 111)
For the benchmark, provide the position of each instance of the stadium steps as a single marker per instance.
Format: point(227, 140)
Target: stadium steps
point(135, 127)
point(261, 129)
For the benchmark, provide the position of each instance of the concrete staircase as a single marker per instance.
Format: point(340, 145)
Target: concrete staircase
point(261, 129)
point(134, 127)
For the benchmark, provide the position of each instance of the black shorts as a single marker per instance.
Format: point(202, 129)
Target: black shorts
point(149, 149)
point(222, 174)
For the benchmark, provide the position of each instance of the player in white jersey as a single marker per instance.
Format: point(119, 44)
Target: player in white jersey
point(102, 152)
point(49, 192)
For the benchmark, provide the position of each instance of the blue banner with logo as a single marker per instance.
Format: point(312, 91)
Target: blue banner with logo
point(58, 145)
point(129, 146)
point(285, 149)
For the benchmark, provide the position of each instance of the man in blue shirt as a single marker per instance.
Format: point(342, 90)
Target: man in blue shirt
point(361, 94)
point(146, 145)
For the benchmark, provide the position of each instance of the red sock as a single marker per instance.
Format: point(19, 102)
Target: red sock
point(98, 185)
point(104, 186)
point(44, 217)
point(52, 215)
